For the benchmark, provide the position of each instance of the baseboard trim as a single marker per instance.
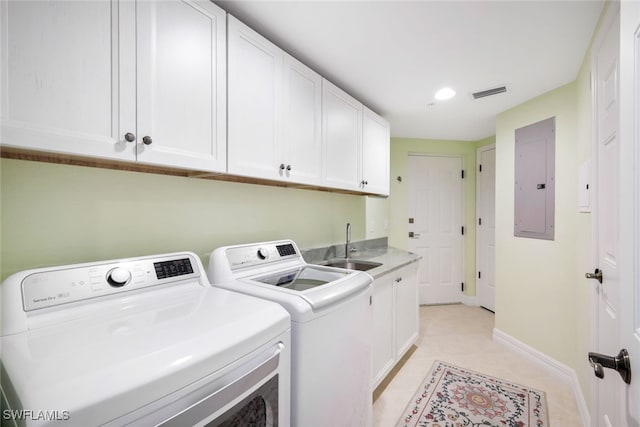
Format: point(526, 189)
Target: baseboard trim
point(558, 369)
point(472, 301)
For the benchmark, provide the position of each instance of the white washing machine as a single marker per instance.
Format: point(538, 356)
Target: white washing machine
point(331, 317)
point(140, 341)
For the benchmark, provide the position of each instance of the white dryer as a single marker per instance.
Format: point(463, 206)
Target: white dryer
point(140, 341)
point(331, 317)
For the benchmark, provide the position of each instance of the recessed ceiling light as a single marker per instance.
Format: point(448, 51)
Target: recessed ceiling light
point(445, 93)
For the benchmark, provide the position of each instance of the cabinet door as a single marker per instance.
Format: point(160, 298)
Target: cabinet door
point(342, 138)
point(375, 153)
point(302, 148)
point(384, 351)
point(405, 282)
point(181, 84)
point(254, 91)
point(63, 85)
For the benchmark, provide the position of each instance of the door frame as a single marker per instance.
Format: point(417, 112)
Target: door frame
point(611, 15)
point(462, 212)
point(477, 227)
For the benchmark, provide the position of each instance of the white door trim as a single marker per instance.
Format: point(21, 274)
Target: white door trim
point(609, 19)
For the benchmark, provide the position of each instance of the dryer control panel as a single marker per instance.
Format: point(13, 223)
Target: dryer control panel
point(261, 254)
point(61, 285)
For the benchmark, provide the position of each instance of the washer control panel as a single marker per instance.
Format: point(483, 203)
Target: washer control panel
point(47, 288)
point(261, 253)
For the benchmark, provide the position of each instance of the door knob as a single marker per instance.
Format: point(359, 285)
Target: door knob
point(147, 140)
point(619, 363)
point(597, 274)
point(129, 137)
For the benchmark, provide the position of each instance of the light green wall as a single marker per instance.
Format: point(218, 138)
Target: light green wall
point(398, 200)
point(487, 141)
point(377, 217)
point(535, 279)
point(55, 214)
point(541, 294)
point(542, 297)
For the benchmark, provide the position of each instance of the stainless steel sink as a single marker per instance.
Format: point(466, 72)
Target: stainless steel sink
point(353, 264)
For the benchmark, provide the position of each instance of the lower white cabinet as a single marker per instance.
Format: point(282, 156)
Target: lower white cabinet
point(395, 319)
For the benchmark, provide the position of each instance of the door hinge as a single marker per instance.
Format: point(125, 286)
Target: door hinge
point(462, 173)
point(479, 275)
point(479, 221)
point(462, 286)
point(462, 230)
point(480, 168)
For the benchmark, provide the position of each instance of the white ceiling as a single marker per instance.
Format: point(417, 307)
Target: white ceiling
point(394, 55)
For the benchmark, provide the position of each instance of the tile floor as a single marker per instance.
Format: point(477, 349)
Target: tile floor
point(461, 335)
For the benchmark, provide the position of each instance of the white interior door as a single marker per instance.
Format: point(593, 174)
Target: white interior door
point(630, 134)
point(486, 226)
point(606, 239)
point(435, 226)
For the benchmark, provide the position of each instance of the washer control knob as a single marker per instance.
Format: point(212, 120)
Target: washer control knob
point(263, 253)
point(118, 277)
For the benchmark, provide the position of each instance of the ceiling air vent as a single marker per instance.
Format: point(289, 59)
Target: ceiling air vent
point(489, 92)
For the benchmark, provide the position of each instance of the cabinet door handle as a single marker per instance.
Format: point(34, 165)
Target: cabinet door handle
point(399, 279)
point(281, 166)
point(147, 140)
point(289, 168)
point(129, 137)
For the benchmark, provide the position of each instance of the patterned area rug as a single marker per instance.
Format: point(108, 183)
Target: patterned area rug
point(454, 397)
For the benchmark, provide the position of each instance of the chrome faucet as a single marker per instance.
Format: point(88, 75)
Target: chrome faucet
point(346, 246)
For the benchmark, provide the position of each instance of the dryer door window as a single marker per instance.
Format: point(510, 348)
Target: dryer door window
point(259, 409)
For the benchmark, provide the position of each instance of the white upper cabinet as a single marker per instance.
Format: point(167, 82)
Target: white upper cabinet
point(95, 78)
point(181, 84)
point(302, 147)
point(275, 107)
point(148, 82)
point(341, 138)
point(375, 153)
point(61, 76)
point(355, 144)
point(254, 108)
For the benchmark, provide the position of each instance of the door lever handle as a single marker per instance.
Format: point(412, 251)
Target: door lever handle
point(597, 274)
point(619, 363)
